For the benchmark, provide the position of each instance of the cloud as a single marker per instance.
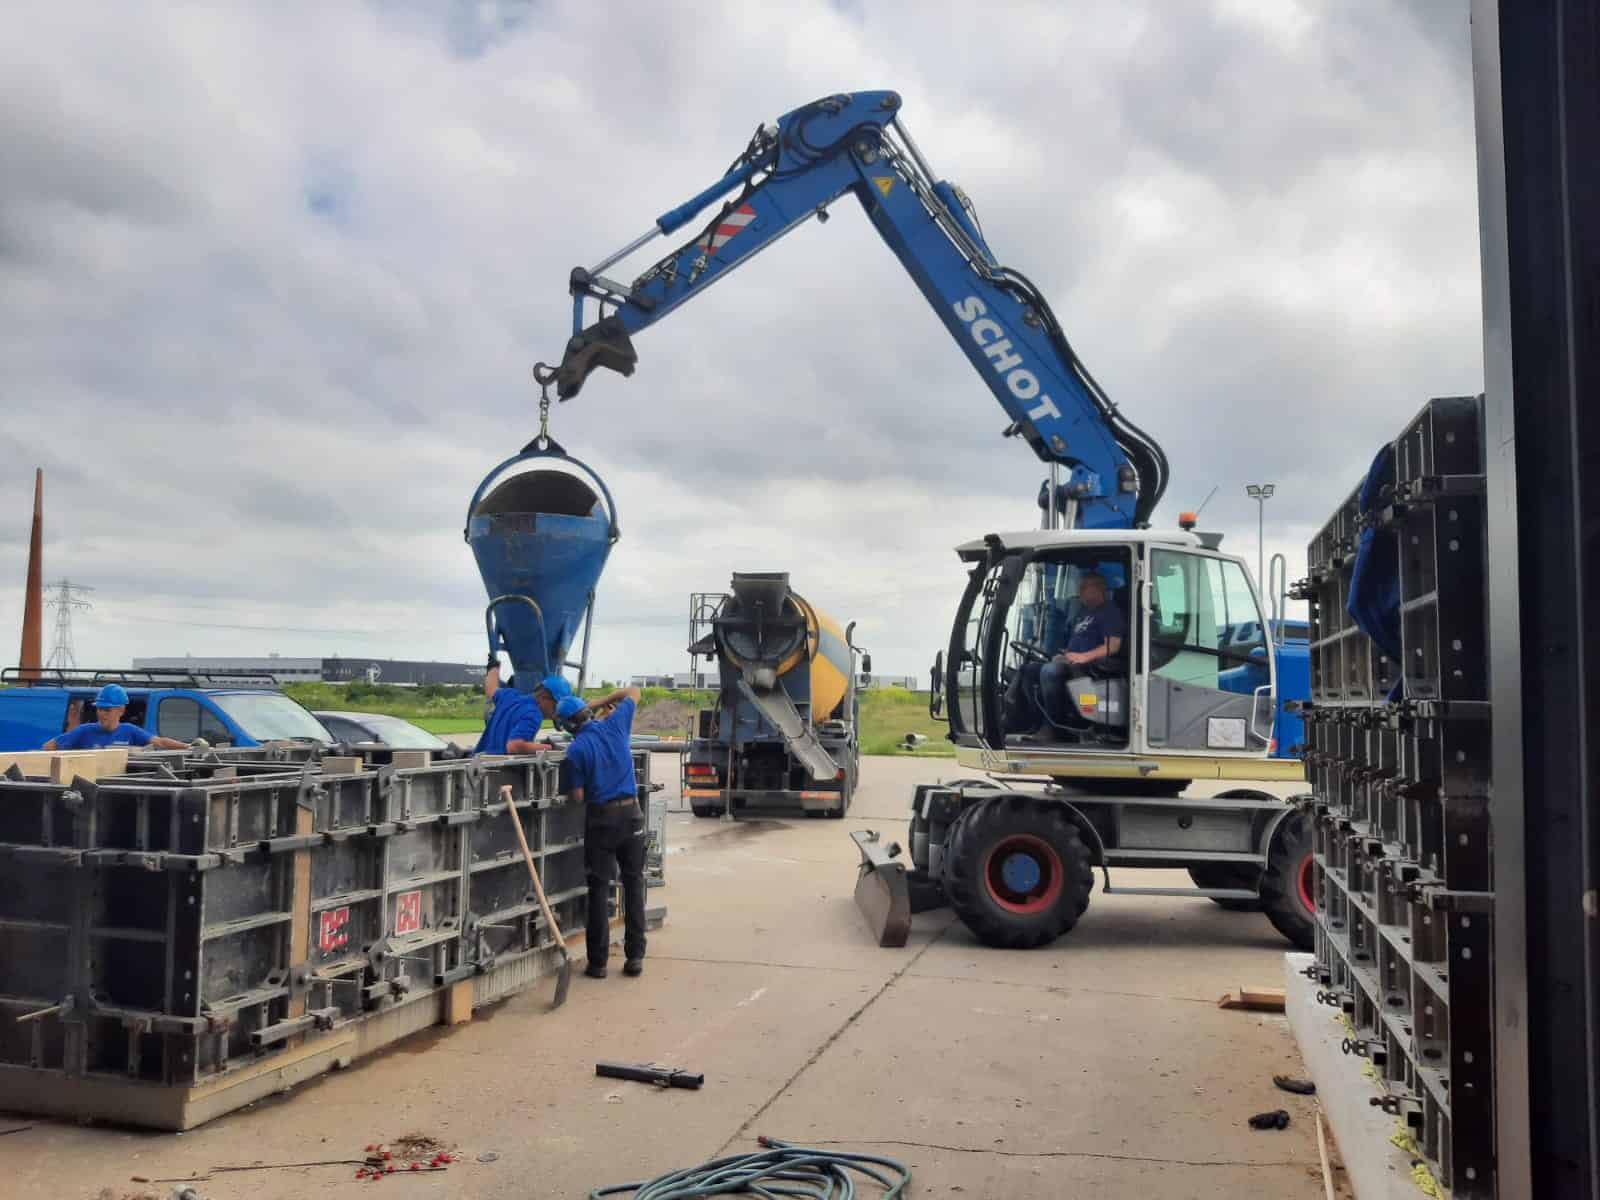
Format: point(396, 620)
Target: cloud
point(275, 277)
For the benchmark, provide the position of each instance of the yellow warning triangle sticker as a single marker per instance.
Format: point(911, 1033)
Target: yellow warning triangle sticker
point(884, 182)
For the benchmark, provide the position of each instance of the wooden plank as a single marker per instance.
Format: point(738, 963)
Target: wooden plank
point(62, 766)
point(1258, 999)
point(300, 905)
point(458, 1003)
point(406, 759)
point(1322, 1151)
point(89, 764)
point(340, 765)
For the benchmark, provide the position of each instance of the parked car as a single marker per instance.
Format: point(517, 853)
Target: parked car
point(175, 704)
point(393, 732)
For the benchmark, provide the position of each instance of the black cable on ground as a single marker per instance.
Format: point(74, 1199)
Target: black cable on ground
point(782, 1169)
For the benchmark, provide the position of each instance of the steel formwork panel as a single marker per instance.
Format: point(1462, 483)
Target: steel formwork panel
point(184, 923)
point(1399, 781)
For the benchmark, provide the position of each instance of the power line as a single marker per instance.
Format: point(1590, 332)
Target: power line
point(64, 599)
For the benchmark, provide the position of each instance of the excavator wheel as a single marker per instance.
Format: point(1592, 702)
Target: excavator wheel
point(1288, 891)
point(1017, 871)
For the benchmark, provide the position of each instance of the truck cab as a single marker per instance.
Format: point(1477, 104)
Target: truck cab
point(249, 711)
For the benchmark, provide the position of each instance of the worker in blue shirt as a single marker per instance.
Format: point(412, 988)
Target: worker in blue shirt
point(600, 761)
point(514, 716)
point(1097, 633)
point(109, 729)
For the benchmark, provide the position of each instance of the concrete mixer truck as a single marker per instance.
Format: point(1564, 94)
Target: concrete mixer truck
point(783, 734)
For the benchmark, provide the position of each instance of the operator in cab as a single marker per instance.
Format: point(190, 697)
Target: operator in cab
point(109, 729)
point(1097, 633)
point(601, 778)
point(515, 716)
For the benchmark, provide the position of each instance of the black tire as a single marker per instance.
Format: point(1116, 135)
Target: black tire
point(706, 810)
point(1287, 895)
point(1226, 875)
point(1017, 871)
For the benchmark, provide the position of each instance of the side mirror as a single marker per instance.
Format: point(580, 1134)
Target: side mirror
point(866, 666)
point(936, 687)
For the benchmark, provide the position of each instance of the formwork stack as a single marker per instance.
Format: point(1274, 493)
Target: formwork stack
point(1398, 762)
point(190, 936)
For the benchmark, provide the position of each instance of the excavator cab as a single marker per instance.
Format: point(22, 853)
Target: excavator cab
point(1190, 681)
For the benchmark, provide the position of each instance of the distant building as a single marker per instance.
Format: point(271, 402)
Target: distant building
point(329, 670)
point(404, 672)
point(286, 670)
point(655, 681)
point(911, 683)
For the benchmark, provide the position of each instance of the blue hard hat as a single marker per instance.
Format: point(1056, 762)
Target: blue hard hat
point(569, 706)
point(556, 685)
point(112, 695)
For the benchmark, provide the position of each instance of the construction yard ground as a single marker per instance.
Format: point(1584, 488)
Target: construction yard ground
point(1100, 1066)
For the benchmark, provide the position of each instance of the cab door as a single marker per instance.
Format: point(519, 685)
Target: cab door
point(1208, 666)
point(971, 650)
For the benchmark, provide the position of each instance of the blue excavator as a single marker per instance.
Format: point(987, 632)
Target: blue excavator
point(1095, 760)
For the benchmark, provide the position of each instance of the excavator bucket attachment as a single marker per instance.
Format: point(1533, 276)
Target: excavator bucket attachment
point(882, 892)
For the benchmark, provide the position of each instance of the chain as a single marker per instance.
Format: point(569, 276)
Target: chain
point(544, 375)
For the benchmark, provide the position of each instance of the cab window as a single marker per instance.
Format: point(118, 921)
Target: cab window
point(1203, 618)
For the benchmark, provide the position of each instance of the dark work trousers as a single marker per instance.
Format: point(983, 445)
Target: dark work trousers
point(613, 837)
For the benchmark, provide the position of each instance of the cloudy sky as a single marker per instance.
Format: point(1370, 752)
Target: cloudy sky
point(274, 274)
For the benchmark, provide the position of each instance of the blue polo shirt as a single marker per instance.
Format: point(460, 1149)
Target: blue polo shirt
point(516, 715)
point(1094, 626)
point(89, 736)
point(600, 758)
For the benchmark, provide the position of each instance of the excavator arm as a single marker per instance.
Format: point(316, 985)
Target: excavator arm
point(855, 144)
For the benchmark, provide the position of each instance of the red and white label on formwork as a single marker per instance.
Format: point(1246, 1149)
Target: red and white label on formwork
point(408, 912)
point(333, 929)
point(730, 224)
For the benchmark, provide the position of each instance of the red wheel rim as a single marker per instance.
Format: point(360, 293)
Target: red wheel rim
point(1035, 861)
point(1304, 877)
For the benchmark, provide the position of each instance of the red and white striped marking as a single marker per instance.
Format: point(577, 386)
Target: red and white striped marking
point(726, 228)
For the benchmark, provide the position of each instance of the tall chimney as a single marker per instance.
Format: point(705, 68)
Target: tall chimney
point(31, 657)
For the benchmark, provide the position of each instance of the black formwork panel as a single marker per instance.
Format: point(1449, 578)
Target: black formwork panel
point(193, 918)
point(1397, 758)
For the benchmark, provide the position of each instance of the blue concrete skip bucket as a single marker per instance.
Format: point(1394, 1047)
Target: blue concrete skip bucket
point(541, 526)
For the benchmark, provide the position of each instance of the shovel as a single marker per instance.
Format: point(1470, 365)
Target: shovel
point(564, 979)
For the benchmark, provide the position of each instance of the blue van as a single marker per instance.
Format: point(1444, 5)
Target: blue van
point(174, 704)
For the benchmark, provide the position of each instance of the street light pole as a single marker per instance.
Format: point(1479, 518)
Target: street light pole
point(1260, 493)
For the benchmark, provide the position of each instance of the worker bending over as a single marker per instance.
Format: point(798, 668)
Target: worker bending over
point(601, 778)
point(109, 729)
point(515, 716)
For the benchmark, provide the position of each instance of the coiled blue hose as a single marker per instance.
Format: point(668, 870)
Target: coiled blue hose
point(783, 1169)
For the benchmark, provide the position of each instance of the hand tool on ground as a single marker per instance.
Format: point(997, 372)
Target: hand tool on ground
point(670, 1077)
point(564, 979)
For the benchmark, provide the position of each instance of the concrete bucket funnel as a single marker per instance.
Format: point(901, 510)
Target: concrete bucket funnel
point(541, 526)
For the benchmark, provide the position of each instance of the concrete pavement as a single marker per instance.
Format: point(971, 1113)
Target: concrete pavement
point(1099, 1065)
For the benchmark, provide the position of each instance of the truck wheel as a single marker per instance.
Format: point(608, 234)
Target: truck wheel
point(1018, 872)
point(1287, 889)
point(1225, 875)
point(705, 810)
